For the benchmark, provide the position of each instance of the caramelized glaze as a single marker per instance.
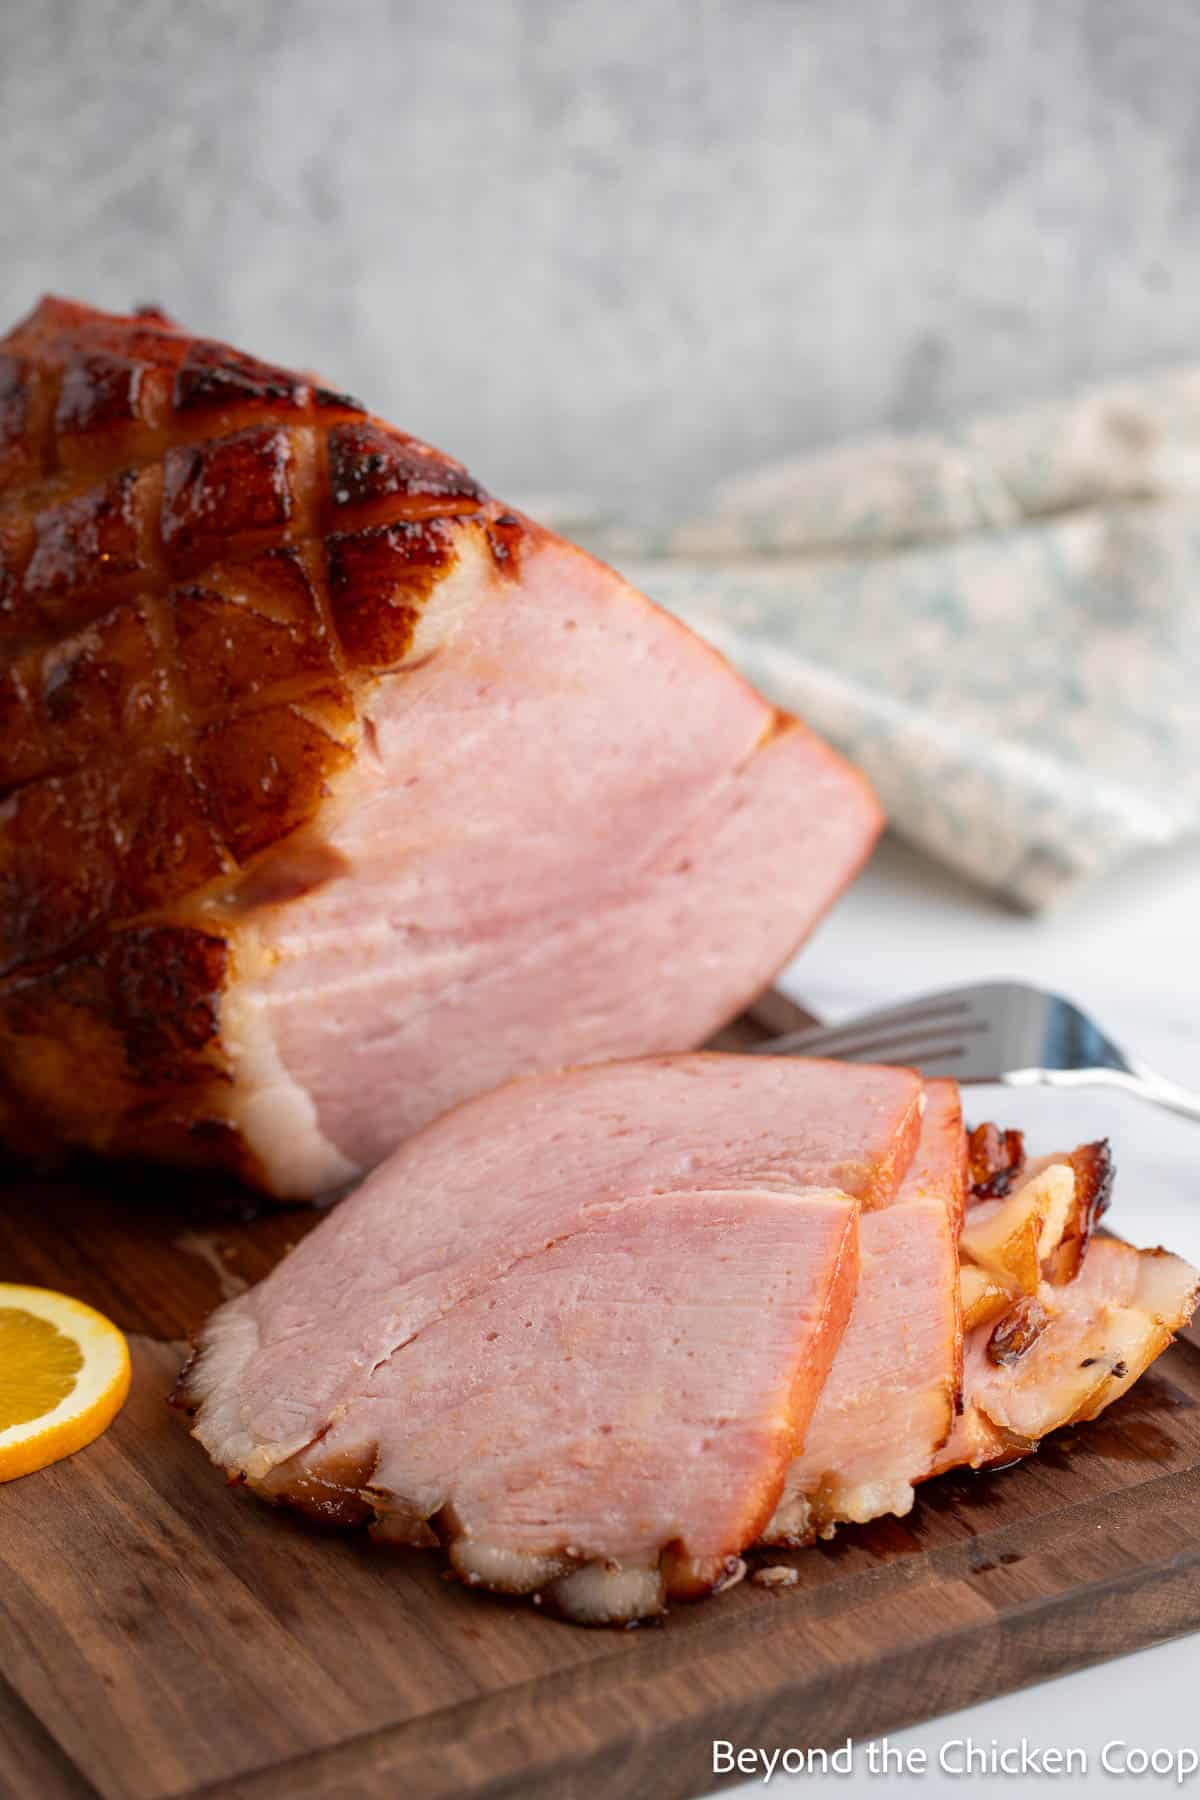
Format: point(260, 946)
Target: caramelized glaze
point(204, 560)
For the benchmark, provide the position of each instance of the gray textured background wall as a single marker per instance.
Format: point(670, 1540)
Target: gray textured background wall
point(621, 246)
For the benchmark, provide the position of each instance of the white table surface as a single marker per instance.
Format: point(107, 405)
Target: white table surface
point(1129, 951)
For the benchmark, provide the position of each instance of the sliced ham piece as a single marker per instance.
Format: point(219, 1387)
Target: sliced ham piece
point(967, 1346)
point(332, 792)
point(573, 1329)
point(889, 1403)
point(1066, 1354)
point(596, 1332)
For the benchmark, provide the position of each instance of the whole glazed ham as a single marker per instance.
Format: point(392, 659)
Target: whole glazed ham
point(334, 792)
point(597, 1333)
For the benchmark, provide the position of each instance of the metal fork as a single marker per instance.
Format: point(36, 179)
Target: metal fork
point(1000, 1031)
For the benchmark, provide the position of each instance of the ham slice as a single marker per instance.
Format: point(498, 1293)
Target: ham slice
point(1057, 1325)
point(1065, 1330)
point(331, 791)
point(573, 1329)
point(598, 1331)
point(889, 1402)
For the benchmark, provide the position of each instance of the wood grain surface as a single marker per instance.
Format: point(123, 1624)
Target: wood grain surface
point(161, 1634)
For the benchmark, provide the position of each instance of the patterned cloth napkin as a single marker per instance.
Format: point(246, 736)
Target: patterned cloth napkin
point(1002, 627)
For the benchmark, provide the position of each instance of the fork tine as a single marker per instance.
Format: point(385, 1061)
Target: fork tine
point(932, 1013)
point(915, 1044)
point(996, 1031)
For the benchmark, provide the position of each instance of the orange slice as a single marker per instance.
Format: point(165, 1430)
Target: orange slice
point(64, 1375)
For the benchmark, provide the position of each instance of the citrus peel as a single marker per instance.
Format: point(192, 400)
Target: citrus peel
point(64, 1375)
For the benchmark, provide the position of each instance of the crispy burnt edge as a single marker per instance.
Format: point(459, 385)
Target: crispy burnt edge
point(995, 1159)
point(1095, 1172)
point(1017, 1331)
point(138, 1012)
point(998, 1157)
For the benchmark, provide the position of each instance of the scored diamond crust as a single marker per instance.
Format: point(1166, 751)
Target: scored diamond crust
point(205, 563)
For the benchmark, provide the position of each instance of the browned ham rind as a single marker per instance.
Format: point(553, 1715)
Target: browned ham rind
point(1062, 1324)
point(1094, 1336)
point(1092, 1165)
point(331, 791)
point(572, 1330)
point(995, 1160)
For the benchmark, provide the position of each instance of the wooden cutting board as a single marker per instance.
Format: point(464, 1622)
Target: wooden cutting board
point(163, 1635)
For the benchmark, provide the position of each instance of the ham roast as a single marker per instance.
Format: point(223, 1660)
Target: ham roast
point(333, 791)
point(599, 1332)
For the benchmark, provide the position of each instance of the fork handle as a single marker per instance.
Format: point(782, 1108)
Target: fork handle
point(1137, 1079)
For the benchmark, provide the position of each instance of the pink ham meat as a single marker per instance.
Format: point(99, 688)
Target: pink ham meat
point(333, 792)
point(889, 1402)
point(612, 846)
point(574, 1329)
